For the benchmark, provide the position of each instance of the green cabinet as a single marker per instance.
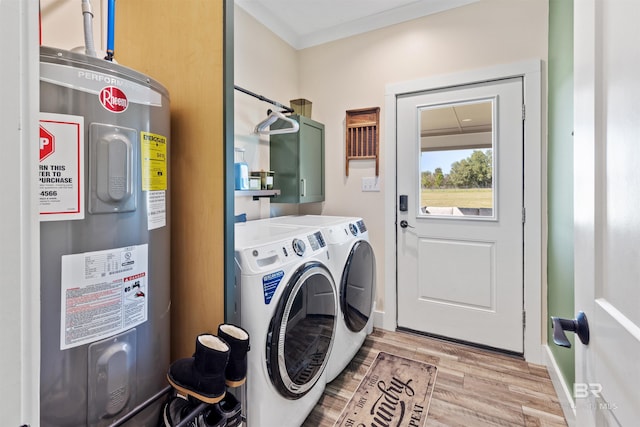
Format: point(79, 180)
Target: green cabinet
point(297, 160)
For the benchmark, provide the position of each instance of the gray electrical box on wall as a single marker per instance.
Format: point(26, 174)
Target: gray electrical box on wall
point(298, 162)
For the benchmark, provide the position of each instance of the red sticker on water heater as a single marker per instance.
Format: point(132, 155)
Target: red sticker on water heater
point(113, 99)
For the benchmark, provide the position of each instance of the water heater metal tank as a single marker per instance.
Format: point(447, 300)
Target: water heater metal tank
point(104, 210)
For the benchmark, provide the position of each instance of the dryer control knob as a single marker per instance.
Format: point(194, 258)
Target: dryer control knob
point(353, 229)
point(298, 247)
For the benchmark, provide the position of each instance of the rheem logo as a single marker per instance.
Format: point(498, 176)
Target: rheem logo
point(113, 99)
point(47, 143)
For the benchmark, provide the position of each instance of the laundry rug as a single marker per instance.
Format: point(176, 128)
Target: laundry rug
point(395, 392)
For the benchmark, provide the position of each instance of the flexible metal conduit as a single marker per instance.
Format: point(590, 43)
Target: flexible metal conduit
point(87, 15)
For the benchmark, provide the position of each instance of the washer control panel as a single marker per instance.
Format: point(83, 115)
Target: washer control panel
point(357, 228)
point(270, 255)
point(298, 247)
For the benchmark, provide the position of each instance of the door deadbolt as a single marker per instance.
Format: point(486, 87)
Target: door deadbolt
point(404, 203)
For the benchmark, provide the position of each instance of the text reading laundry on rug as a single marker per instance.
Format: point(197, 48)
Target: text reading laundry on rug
point(395, 392)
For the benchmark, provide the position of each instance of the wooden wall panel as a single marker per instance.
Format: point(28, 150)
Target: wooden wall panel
point(180, 44)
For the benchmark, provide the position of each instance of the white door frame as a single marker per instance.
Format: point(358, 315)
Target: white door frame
point(20, 227)
point(534, 181)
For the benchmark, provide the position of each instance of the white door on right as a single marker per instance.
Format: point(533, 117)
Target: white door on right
point(460, 234)
point(606, 210)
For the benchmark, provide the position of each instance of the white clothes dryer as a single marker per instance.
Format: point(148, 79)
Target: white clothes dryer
point(353, 267)
point(288, 303)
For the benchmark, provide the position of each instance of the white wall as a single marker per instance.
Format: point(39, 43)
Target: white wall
point(353, 72)
point(267, 66)
point(62, 24)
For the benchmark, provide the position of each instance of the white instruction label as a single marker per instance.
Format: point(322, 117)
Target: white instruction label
point(103, 293)
point(61, 167)
point(156, 209)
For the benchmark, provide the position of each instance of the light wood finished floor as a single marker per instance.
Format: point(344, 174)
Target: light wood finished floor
point(474, 387)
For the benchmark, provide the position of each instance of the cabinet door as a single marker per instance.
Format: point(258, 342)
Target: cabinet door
point(311, 161)
point(297, 160)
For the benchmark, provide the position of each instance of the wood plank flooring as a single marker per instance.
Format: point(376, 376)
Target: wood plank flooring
point(474, 387)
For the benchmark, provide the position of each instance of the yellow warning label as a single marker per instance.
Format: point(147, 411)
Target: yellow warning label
point(153, 151)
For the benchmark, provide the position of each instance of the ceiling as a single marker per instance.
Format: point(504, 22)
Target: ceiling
point(457, 119)
point(466, 125)
point(306, 23)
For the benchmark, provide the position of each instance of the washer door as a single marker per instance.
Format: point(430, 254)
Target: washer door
point(301, 332)
point(358, 286)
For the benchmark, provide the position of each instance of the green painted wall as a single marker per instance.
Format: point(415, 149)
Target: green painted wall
point(560, 177)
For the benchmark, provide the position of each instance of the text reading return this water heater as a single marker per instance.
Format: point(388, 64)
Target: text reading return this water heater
point(104, 211)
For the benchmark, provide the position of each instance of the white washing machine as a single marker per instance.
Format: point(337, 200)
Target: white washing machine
point(353, 267)
point(288, 302)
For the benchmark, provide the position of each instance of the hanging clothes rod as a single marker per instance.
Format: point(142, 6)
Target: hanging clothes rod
point(262, 98)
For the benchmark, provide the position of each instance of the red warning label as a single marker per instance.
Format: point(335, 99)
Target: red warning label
point(47, 143)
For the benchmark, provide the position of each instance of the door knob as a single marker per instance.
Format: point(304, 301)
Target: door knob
point(579, 325)
point(404, 224)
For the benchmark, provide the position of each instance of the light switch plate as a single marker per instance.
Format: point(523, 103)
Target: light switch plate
point(371, 183)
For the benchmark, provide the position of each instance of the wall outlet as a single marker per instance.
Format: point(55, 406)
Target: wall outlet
point(371, 183)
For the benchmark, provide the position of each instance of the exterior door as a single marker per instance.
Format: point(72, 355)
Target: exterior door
point(460, 213)
point(607, 226)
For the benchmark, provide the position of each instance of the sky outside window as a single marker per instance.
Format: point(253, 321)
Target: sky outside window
point(430, 160)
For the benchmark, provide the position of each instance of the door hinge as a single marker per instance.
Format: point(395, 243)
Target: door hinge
point(524, 113)
point(524, 214)
point(524, 319)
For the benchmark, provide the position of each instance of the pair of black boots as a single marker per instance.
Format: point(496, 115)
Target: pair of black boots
point(218, 362)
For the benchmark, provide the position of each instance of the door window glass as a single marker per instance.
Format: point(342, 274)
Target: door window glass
point(457, 159)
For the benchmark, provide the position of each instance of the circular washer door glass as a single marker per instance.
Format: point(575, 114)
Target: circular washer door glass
point(302, 330)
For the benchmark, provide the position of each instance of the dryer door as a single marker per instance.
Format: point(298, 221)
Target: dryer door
point(301, 332)
point(358, 286)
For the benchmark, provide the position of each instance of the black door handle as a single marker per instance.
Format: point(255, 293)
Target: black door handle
point(404, 224)
point(579, 325)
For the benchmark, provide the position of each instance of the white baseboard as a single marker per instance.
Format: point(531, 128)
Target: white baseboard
point(378, 319)
point(564, 393)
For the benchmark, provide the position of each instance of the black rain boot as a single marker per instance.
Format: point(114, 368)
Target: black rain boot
point(203, 375)
point(238, 340)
